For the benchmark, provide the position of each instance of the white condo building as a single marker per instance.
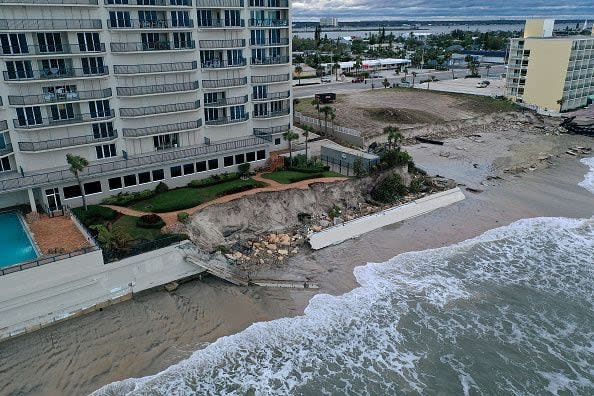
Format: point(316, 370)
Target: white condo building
point(145, 90)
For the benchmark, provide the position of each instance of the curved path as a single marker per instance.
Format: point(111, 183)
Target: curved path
point(170, 218)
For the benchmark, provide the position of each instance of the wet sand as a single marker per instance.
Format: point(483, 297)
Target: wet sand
point(156, 329)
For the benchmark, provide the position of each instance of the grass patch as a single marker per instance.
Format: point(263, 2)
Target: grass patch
point(94, 214)
point(187, 197)
point(288, 177)
point(128, 224)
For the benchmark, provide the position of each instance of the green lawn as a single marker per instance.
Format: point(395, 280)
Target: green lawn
point(186, 197)
point(128, 223)
point(287, 177)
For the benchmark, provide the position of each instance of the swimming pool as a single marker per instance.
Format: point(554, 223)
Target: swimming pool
point(15, 244)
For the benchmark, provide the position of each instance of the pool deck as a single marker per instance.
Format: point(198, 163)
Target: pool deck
point(57, 235)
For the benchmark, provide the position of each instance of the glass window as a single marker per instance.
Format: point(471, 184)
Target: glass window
point(92, 187)
point(176, 171)
point(277, 141)
point(129, 180)
point(188, 169)
point(213, 164)
point(250, 157)
point(158, 174)
point(115, 183)
point(261, 154)
point(71, 192)
point(228, 161)
point(144, 177)
point(239, 159)
point(201, 166)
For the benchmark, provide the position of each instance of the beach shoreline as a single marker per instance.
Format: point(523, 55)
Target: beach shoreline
point(146, 335)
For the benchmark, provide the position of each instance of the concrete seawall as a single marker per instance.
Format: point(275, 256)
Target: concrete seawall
point(354, 228)
point(40, 296)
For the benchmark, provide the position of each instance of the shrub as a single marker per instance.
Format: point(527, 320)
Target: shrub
point(125, 199)
point(417, 185)
point(95, 214)
point(161, 188)
point(238, 189)
point(150, 221)
point(305, 177)
point(392, 158)
point(389, 190)
point(213, 180)
point(244, 169)
point(359, 169)
point(183, 217)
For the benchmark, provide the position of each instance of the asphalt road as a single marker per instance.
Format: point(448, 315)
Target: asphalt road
point(347, 86)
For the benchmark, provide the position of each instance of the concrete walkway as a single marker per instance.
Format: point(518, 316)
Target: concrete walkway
point(170, 218)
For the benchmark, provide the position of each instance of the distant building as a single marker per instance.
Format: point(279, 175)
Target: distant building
point(552, 73)
point(328, 22)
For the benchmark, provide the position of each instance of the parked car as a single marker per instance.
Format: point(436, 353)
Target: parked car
point(327, 97)
point(358, 80)
point(483, 84)
point(326, 79)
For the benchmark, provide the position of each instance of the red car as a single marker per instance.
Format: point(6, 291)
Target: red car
point(358, 79)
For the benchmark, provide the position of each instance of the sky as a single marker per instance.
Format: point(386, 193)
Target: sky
point(441, 9)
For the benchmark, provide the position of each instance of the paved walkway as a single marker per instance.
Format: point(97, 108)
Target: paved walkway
point(170, 218)
point(49, 241)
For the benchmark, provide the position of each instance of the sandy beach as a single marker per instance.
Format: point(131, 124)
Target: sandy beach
point(156, 329)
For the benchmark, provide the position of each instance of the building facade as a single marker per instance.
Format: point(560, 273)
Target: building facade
point(145, 90)
point(550, 73)
point(328, 22)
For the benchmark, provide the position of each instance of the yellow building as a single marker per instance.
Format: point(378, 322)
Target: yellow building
point(549, 72)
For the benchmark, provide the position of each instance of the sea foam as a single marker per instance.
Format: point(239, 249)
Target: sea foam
point(588, 182)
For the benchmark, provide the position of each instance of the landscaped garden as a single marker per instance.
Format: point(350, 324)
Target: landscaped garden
point(291, 176)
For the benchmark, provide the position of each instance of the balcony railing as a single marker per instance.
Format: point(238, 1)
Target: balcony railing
point(157, 89)
point(222, 64)
point(270, 79)
point(219, 3)
point(272, 114)
point(106, 167)
point(49, 50)
point(148, 24)
point(224, 83)
point(64, 142)
point(269, 3)
point(220, 23)
point(50, 24)
point(269, 22)
point(58, 97)
point(154, 46)
point(228, 120)
point(222, 102)
point(266, 133)
point(5, 149)
point(271, 96)
point(51, 74)
point(50, 2)
point(160, 109)
point(158, 129)
point(269, 43)
point(237, 43)
point(155, 68)
point(154, 3)
point(3, 125)
point(277, 60)
point(42, 122)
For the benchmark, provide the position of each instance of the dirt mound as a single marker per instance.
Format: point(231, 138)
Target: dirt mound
point(403, 116)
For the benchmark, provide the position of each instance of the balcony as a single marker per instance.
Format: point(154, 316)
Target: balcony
point(269, 23)
point(157, 89)
point(274, 78)
point(160, 109)
point(224, 83)
point(219, 3)
point(154, 46)
point(54, 74)
point(3, 125)
point(269, 3)
point(223, 64)
point(228, 120)
point(56, 144)
point(277, 60)
point(159, 129)
point(220, 24)
point(222, 102)
point(266, 133)
point(152, 3)
point(48, 50)
point(155, 68)
point(140, 24)
point(273, 114)
point(214, 44)
point(270, 43)
point(5, 149)
point(34, 25)
point(59, 97)
point(40, 122)
point(272, 96)
point(51, 2)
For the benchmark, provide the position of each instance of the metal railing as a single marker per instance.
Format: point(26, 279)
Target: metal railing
point(155, 68)
point(157, 89)
point(59, 49)
point(6, 149)
point(220, 23)
point(153, 46)
point(270, 79)
point(269, 3)
point(54, 73)
point(58, 97)
point(269, 43)
point(271, 96)
point(266, 133)
point(221, 64)
point(272, 114)
point(3, 125)
point(236, 43)
point(65, 142)
point(37, 122)
point(46, 260)
point(269, 22)
point(148, 24)
point(277, 60)
point(50, 2)
point(219, 3)
point(158, 3)
point(50, 24)
point(223, 83)
point(154, 130)
point(160, 109)
point(228, 120)
point(222, 102)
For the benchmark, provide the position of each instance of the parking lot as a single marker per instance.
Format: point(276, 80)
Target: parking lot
point(467, 86)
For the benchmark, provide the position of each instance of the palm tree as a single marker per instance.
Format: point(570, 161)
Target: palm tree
point(488, 68)
point(316, 102)
point(394, 135)
point(414, 74)
point(306, 131)
point(289, 136)
point(77, 165)
point(329, 112)
point(560, 102)
point(299, 71)
point(358, 64)
point(336, 67)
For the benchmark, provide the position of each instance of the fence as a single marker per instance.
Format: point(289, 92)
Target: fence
point(109, 256)
point(344, 167)
point(345, 135)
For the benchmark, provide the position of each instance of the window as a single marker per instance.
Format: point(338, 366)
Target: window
point(119, 19)
point(29, 116)
point(103, 130)
point(261, 154)
point(176, 171)
point(163, 142)
point(62, 111)
point(19, 69)
point(182, 40)
point(213, 164)
point(250, 157)
point(277, 141)
point(92, 187)
point(180, 18)
point(237, 112)
point(201, 166)
point(49, 42)
point(88, 42)
point(188, 169)
point(144, 177)
point(71, 192)
point(239, 159)
point(114, 183)
point(232, 18)
point(205, 18)
point(158, 174)
point(228, 161)
point(260, 92)
point(106, 151)
point(129, 180)
point(92, 66)
point(99, 108)
point(260, 109)
point(14, 44)
point(4, 164)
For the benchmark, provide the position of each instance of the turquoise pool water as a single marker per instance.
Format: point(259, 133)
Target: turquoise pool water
point(15, 244)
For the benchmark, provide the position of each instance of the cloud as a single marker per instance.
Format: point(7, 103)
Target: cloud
point(441, 9)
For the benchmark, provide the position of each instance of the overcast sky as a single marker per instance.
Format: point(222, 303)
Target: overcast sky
point(441, 9)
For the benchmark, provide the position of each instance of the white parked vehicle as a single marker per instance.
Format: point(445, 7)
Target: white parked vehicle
point(326, 79)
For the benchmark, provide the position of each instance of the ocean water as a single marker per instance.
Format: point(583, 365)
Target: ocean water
point(508, 312)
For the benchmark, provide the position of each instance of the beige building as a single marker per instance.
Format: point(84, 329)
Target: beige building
point(549, 72)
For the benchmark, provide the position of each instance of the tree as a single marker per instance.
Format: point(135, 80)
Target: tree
point(488, 68)
point(111, 239)
point(299, 71)
point(336, 68)
point(329, 112)
point(306, 131)
point(77, 165)
point(386, 83)
point(394, 135)
point(316, 102)
point(414, 74)
point(289, 136)
point(358, 64)
point(560, 102)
